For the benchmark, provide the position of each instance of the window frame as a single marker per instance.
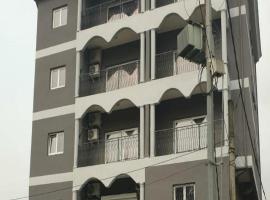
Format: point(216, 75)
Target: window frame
point(58, 86)
point(184, 186)
point(60, 9)
point(57, 152)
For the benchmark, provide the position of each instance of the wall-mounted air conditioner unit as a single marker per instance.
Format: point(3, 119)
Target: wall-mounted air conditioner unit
point(92, 134)
point(190, 43)
point(94, 71)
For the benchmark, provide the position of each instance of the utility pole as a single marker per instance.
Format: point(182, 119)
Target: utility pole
point(232, 188)
point(210, 107)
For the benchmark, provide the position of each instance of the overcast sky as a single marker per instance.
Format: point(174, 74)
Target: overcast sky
point(17, 58)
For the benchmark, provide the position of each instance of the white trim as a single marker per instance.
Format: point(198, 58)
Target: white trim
point(112, 170)
point(187, 83)
point(82, 174)
point(234, 85)
point(235, 11)
point(56, 49)
point(48, 179)
point(244, 162)
point(54, 112)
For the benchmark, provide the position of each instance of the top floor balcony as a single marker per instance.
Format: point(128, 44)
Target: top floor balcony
point(95, 13)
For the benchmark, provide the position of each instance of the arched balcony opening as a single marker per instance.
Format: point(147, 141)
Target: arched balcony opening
point(96, 12)
point(123, 187)
point(108, 66)
point(181, 124)
point(109, 137)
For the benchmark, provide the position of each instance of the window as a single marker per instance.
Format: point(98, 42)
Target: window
point(60, 17)
point(56, 143)
point(58, 77)
point(184, 192)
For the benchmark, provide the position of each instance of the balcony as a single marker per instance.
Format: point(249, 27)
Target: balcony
point(168, 65)
point(115, 149)
point(181, 124)
point(181, 139)
point(111, 78)
point(97, 14)
point(109, 137)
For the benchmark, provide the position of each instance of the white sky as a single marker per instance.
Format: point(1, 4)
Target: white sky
point(17, 54)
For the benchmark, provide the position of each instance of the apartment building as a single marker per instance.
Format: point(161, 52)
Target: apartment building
point(118, 114)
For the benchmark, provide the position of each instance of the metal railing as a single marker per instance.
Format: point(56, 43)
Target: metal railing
point(108, 11)
point(108, 151)
point(181, 139)
point(111, 78)
point(167, 64)
point(187, 138)
point(160, 3)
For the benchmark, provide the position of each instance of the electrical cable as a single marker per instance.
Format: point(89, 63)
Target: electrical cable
point(128, 172)
point(242, 98)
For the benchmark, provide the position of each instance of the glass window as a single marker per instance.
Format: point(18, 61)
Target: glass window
point(60, 17)
point(58, 77)
point(56, 143)
point(184, 192)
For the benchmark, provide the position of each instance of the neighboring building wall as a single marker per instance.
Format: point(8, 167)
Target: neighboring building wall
point(46, 35)
point(53, 191)
point(41, 163)
point(246, 65)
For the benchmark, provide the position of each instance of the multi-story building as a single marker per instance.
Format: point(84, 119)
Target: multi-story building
point(119, 115)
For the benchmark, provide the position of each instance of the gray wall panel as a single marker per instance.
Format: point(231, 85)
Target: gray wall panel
point(160, 180)
point(44, 97)
point(41, 163)
point(55, 191)
point(46, 35)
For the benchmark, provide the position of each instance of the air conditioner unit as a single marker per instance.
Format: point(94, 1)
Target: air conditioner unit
point(92, 134)
point(94, 71)
point(94, 119)
point(190, 43)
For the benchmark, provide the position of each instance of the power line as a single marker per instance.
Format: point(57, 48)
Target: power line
point(127, 172)
point(242, 98)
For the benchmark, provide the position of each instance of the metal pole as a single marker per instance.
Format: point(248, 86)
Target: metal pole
point(210, 113)
point(232, 188)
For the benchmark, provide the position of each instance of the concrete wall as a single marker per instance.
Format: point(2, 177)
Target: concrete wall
point(160, 180)
point(52, 191)
point(46, 35)
point(41, 163)
point(44, 97)
point(247, 69)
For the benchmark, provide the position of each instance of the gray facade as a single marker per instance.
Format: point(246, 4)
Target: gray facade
point(160, 180)
point(43, 164)
point(47, 36)
point(46, 98)
point(84, 162)
point(51, 191)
